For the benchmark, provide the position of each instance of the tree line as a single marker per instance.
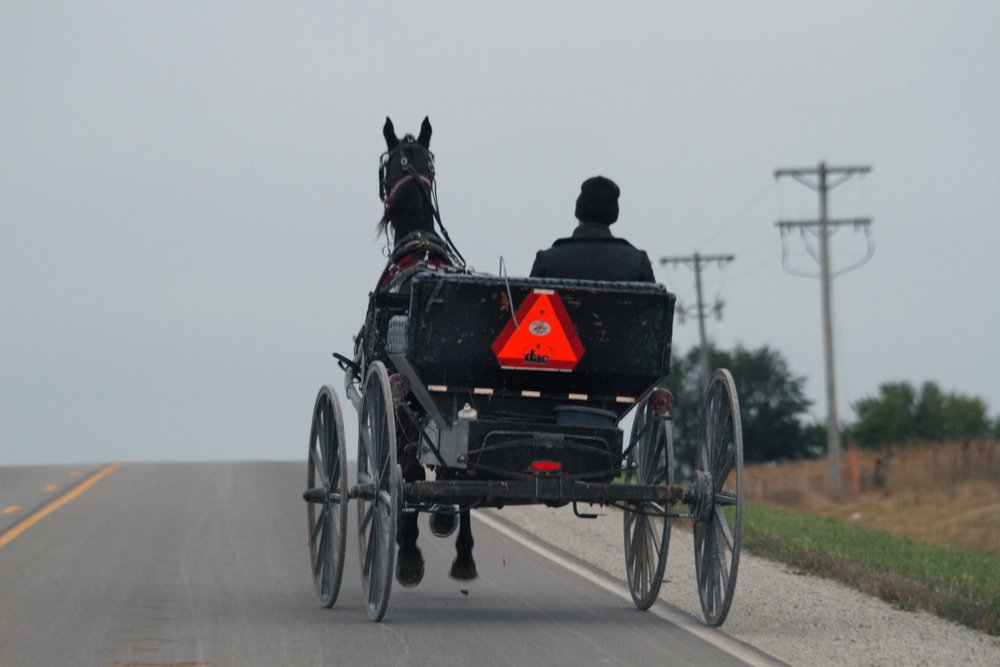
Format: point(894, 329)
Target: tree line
point(775, 410)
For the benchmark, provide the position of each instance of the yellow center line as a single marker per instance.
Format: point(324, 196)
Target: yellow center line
point(50, 487)
point(10, 509)
point(68, 497)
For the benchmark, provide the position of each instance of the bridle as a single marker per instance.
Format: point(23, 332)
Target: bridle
point(410, 151)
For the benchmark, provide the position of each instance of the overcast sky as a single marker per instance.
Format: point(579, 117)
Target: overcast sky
point(188, 190)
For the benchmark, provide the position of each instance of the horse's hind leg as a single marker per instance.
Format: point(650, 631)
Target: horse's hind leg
point(464, 567)
point(409, 560)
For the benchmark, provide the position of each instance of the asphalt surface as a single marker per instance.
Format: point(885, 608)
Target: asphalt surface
point(207, 564)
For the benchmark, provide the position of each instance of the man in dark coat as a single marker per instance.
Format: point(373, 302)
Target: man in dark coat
point(592, 253)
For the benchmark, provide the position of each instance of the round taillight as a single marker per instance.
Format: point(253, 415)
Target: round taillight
point(662, 401)
point(399, 385)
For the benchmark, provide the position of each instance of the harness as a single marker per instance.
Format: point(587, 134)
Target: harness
point(425, 184)
point(417, 251)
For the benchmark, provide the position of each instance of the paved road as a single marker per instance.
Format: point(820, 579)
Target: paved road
point(206, 564)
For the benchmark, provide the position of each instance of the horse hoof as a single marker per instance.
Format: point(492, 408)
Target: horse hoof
point(464, 569)
point(443, 521)
point(409, 567)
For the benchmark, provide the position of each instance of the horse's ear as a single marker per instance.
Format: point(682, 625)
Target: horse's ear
point(389, 132)
point(425, 133)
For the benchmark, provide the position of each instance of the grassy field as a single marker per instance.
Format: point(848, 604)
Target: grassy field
point(946, 494)
point(926, 535)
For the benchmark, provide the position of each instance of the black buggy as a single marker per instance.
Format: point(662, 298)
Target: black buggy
point(516, 388)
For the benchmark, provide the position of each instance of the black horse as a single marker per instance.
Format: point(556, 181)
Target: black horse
point(407, 188)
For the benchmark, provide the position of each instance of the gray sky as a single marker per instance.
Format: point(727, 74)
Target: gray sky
point(188, 190)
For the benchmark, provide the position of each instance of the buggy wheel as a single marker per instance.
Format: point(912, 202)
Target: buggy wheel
point(717, 510)
point(647, 524)
point(327, 496)
point(379, 480)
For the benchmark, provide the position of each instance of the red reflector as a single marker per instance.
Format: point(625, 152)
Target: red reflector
point(546, 466)
point(399, 385)
point(662, 401)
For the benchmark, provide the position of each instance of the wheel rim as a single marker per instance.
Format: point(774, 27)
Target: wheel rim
point(718, 513)
point(327, 520)
point(378, 481)
point(647, 538)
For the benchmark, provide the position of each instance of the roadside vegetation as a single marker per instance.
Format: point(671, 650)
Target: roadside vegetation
point(958, 584)
point(918, 525)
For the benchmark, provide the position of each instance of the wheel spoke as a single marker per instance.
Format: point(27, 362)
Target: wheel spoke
point(719, 576)
point(366, 519)
point(366, 441)
point(722, 473)
point(316, 464)
point(335, 467)
point(719, 537)
point(316, 529)
point(370, 538)
point(328, 559)
point(631, 518)
point(655, 537)
point(320, 551)
point(322, 429)
point(640, 560)
point(723, 526)
point(653, 468)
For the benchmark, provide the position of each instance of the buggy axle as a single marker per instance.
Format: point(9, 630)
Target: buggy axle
point(463, 492)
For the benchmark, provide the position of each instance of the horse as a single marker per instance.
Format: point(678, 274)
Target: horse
point(407, 189)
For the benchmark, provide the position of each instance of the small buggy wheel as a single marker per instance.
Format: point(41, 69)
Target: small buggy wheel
point(327, 496)
point(717, 490)
point(379, 482)
point(647, 524)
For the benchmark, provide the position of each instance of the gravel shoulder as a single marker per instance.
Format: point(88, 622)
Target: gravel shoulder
point(801, 619)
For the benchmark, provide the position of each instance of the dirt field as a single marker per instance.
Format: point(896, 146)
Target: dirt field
point(942, 493)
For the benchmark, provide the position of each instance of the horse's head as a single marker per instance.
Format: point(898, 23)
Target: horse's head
point(406, 181)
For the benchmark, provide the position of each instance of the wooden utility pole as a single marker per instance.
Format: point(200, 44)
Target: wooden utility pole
point(822, 185)
point(695, 261)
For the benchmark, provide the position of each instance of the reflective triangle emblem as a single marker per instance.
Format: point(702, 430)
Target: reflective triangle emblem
point(543, 339)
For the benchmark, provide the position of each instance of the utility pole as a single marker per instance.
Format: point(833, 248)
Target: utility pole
point(822, 185)
point(695, 262)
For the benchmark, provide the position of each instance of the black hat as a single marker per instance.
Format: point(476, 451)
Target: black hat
point(598, 201)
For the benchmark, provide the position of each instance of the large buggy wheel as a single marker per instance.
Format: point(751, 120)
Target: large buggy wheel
point(647, 524)
point(378, 484)
point(327, 493)
point(717, 510)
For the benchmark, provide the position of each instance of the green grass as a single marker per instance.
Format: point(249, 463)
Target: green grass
point(956, 584)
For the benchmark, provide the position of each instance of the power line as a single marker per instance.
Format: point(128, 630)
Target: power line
point(739, 214)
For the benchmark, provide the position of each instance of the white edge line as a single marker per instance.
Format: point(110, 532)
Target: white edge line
point(714, 637)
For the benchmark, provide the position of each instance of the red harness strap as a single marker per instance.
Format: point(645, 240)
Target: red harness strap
point(408, 260)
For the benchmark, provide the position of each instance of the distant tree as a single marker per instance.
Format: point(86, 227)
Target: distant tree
point(772, 405)
point(887, 418)
point(900, 415)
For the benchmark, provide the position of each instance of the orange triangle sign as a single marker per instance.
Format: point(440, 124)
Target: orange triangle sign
point(543, 338)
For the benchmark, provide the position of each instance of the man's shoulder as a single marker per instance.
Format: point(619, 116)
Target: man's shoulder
point(577, 239)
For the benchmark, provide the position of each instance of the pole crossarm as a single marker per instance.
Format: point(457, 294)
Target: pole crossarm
point(813, 171)
point(821, 175)
point(691, 260)
point(835, 222)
